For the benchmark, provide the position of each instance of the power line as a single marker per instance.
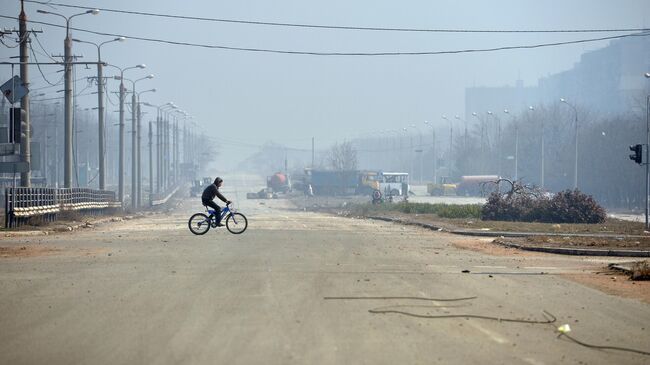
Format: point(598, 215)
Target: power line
point(336, 27)
point(291, 52)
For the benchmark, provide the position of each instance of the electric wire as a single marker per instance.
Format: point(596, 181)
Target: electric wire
point(43, 48)
point(320, 53)
point(39, 67)
point(335, 27)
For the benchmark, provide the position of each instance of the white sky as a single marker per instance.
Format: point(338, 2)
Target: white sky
point(254, 97)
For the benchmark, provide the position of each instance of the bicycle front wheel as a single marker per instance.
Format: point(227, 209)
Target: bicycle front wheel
point(236, 223)
point(199, 224)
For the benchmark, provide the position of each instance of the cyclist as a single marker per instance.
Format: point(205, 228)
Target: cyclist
point(207, 198)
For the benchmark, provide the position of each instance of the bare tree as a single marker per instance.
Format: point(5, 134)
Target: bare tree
point(343, 157)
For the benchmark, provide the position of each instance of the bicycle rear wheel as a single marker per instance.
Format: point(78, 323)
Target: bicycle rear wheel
point(199, 224)
point(236, 223)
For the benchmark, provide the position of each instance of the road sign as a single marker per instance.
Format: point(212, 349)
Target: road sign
point(13, 167)
point(14, 89)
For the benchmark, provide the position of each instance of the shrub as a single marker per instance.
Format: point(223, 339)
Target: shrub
point(564, 207)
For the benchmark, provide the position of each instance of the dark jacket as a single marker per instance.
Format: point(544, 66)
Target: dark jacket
point(210, 192)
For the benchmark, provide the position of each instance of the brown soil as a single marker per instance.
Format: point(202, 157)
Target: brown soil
point(27, 251)
point(615, 283)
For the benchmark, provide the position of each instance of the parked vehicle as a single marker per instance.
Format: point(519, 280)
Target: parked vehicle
point(394, 183)
point(279, 182)
point(198, 185)
point(473, 185)
point(444, 188)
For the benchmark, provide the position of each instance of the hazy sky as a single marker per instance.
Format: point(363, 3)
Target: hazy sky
point(256, 97)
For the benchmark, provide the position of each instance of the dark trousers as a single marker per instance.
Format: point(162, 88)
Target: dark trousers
point(213, 205)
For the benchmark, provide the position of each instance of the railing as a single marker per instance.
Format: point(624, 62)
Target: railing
point(162, 198)
point(24, 204)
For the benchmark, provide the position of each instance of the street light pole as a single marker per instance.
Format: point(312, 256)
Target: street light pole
point(433, 149)
point(67, 60)
point(451, 143)
point(134, 142)
point(122, 151)
point(139, 149)
point(100, 108)
point(575, 170)
point(516, 143)
point(647, 158)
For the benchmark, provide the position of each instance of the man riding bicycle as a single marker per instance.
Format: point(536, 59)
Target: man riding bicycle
point(207, 198)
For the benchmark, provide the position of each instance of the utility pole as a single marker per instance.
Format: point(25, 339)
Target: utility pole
point(312, 153)
point(150, 161)
point(139, 154)
point(134, 152)
point(25, 151)
point(121, 152)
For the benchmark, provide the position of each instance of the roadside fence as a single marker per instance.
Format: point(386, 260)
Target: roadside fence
point(46, 204)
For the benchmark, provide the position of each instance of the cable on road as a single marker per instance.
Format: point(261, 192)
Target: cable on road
point(384, 310)
point(411, 298)
point(599, 347)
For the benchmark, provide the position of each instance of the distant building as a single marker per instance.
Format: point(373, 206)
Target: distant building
point(607, 80)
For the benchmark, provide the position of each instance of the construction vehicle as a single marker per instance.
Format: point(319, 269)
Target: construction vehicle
point(444, 188)
point(475, 185)
point(279, 182)
point(198, 185)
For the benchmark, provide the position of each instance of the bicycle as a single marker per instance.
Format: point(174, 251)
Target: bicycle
point(200, 223)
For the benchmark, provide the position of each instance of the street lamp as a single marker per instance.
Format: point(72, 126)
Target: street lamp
point(433, 149)
point(100, 107)
point(575, 170)
point(159, 139)
point(139, 150)
point(457, 117)
point(451, 140)
point(135, 135)
point(516, 143)
point(121, 137)
point(532, 110)
point(67, 60)
point(647, 157)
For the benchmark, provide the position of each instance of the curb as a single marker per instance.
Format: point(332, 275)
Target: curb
point(545, 249)
point(577, 251)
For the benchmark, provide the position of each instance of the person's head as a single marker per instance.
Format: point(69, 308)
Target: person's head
point(218, 181)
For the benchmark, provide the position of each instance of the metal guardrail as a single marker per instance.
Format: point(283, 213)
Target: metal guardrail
point(23, 204)
point(162, 198)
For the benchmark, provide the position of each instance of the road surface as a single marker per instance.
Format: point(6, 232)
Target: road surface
point(146, 291)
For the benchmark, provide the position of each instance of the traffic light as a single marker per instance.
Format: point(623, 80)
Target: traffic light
point(637, 156)
point(17, 124)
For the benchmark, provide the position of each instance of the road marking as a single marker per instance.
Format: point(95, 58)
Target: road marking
point(492, 335)
point(492, 267)
point(542, 267)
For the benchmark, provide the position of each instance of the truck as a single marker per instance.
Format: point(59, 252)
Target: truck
point(473, 185)
point(350, 182)
point(326, 182)
point(279, 182)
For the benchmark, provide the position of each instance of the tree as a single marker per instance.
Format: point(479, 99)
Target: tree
point(342, 157)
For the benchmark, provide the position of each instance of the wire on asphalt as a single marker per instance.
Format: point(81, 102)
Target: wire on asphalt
point(599, 347)
point(410, 298)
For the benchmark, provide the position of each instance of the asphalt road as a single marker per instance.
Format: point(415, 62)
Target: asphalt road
point(147, 291)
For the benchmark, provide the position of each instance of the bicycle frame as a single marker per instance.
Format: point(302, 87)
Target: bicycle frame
point(224, 212)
